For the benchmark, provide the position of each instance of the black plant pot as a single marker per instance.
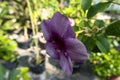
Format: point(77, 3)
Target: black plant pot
point(83, 67)
point(54, 62)
point(36, 68)
point(21, 31)
point(25, 44)
point(76, 67)
point(41, 41)
point(117, 47)
point(11, 31)
point(41, 45)
point(10, 65)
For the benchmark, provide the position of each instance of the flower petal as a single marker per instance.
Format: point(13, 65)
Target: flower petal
point(61, 25)
point(50, 49)
point(66, 64)
point(45, 28)
point(76, 49)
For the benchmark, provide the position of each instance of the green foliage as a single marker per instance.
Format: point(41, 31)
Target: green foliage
point(113, 29)
point(100, 7)
point(102, 43)
point(7, 48)
point(2, 71)
point(106, 64)
point(85, 4)
point(7, 16)
point(72, 9)
point(94, 33)
point(15, 74)
point(99, 23)
point(18, 74)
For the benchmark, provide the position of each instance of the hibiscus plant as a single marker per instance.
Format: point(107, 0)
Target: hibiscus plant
point(62, 43)
point(94, 35)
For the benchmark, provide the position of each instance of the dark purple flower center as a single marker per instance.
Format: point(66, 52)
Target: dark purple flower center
point(59, 42)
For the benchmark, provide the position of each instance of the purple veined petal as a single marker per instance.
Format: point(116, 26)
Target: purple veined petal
point(69, 33)
point(66, 64)
point(76, 50)
point(50, 49)
point(45, 28)
point(61, 25)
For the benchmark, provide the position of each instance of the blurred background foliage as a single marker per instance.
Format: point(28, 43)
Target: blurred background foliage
point(106, 64)
point(15, 74)
point(7, 48)
point(99, 34)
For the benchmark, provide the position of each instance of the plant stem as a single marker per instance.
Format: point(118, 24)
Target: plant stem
point(116, 3)
point(25, 33)
point(33, 24)
point(31, 16)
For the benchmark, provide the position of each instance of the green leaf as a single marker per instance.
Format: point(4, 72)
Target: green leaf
point(12, 45)
point(24, 70)
point(75, 28)
point(88, 43)
point(100, 7)
point(106, 57)
point(12, 74)
point(99, 23)
point(26, 77)
point(113, 29)
point(2, 70)
point(4, 12)
point(83, 24)
point(102, 43)
point(85, 4)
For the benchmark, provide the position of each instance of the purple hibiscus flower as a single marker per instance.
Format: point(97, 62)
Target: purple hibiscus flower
point(62, 43)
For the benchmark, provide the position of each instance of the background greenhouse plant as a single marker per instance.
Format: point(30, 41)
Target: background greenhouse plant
point(106, 64)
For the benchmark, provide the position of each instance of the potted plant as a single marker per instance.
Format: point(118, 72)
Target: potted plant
point(106, 65)
point(8, 55)
point(36, 65)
